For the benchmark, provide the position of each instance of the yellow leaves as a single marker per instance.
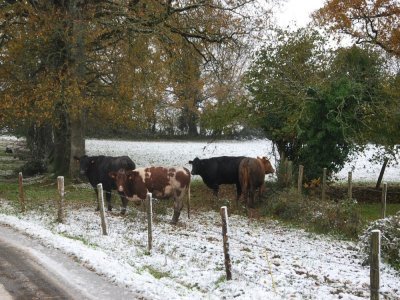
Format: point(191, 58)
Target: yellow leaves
point(375, 22)
point(314, 183)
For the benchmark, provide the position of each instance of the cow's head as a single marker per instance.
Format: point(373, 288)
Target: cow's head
point(120, 179)
point(85, 162)
point(266, 165)
point(197, 165)
point(126, 182)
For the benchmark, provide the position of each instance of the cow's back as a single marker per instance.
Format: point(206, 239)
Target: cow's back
point(227, 169)
point(166, 182)
point(251, 173)
point(103, 165)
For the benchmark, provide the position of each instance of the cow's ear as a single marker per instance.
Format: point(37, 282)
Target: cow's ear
point(190, 161)
point(113, 175)
point(132, 174)
point(129, 174)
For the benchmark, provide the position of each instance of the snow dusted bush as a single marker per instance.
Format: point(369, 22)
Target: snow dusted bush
point(341, 217)
point(390, 239)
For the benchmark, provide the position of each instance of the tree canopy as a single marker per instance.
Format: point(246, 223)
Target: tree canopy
point(374, 22)
point(317, 106)
point(112, 62)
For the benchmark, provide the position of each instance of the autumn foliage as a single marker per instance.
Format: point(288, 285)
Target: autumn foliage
point(375, 22)
point(118, 63)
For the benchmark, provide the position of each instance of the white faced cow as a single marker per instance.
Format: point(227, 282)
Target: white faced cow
point(162, 182)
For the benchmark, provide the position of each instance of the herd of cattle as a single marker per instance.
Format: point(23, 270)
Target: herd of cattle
point(133, 184)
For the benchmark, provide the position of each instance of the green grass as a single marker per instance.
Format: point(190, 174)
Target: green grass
point(44, 192)
point(81, 239)
point(372, 211)
point(156, 273)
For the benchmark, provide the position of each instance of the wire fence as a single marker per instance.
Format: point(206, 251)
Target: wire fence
point(269, 270)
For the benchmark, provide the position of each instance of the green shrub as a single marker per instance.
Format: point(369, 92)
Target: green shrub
point(390, 239)
point(341, 217)
point(34, 167)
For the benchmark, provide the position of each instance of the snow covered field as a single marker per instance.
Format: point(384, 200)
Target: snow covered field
point(269, 260)
point(178, 153)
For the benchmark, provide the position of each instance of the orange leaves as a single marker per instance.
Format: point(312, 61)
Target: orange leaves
point(376, 22)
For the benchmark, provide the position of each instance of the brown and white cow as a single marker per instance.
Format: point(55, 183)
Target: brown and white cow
point(251, 176)
point(162, 182)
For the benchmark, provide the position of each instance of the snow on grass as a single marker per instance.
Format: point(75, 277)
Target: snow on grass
point(269, 261)
point(178, 153)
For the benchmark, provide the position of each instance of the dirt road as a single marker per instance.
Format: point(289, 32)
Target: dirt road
point(29, 270)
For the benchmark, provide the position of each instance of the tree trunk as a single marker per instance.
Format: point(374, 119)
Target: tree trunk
point(39, 141)
point(77, 125)
point(192, 123)
point(77, 144)
point(61, 153)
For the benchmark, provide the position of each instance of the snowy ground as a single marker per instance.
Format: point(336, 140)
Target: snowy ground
point(269, 260)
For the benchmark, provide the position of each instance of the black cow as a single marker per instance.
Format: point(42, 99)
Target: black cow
point(96, 169)
point(218, 170)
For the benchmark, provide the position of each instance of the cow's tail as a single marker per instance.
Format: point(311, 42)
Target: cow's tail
point(245, 174)
point(188, 202)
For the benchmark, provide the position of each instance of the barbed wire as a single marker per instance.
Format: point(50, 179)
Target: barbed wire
point(231, 236)
point(263, 268)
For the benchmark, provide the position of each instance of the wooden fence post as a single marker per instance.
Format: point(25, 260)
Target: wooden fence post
point(149, 208)
point(374, 264)
point(289, 173)
point(101, 206)
point(21, 192)
point(300, 179)
point(228, 264)
point(383, 201)
point(60, 186)
point(378, 183)
point(324, 184)
point(350, 185)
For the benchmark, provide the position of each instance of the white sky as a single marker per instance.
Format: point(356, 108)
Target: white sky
point(297, 12)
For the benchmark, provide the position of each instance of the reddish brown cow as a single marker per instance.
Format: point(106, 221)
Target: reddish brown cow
point(251, 177)
point(161, 182)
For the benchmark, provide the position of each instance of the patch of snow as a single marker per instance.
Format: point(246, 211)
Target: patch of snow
point(269, 261)
point(178, 153)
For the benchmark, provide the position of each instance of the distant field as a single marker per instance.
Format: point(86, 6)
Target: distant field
point(146, 153)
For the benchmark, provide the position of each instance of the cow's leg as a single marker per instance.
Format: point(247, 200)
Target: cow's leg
point(250, 199)
point(238, 193)
point(261, 191)
point(124, 201)
point(178, 205)
point(108, 198)
point(215, 189)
